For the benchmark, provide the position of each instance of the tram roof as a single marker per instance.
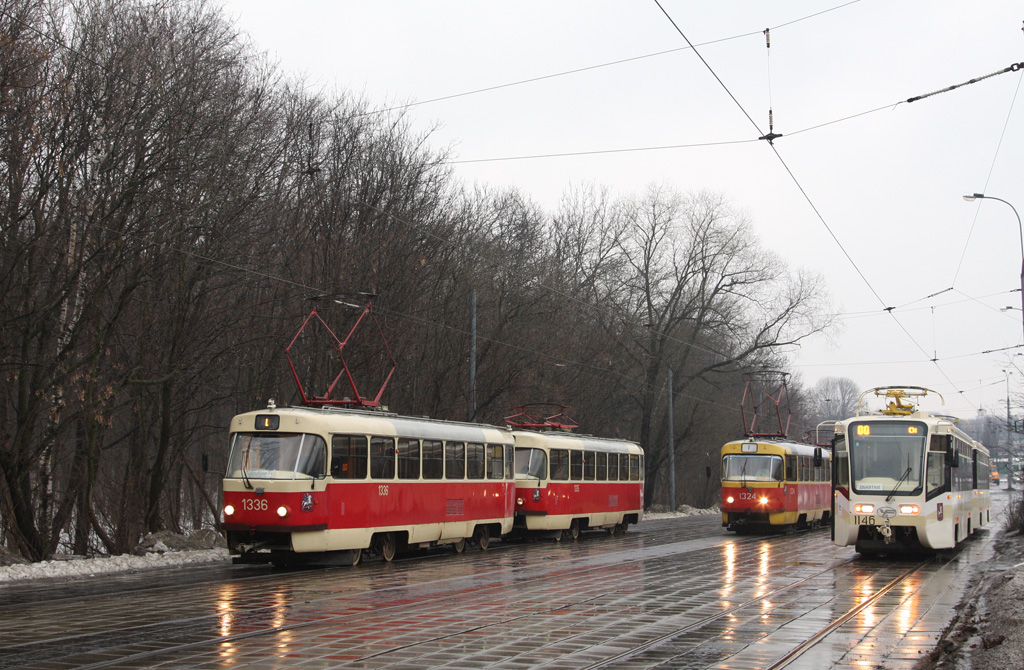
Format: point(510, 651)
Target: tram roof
point(799, 448)
point(557, 440)
point(375, 422)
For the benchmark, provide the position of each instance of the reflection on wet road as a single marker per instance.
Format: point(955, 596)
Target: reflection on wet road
point(675, 593)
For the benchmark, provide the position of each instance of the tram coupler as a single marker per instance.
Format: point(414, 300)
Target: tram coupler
point(886, 532)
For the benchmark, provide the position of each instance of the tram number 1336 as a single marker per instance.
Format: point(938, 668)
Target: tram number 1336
point(864, 520)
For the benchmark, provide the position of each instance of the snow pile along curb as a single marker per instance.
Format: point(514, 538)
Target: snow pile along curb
point(88, 567)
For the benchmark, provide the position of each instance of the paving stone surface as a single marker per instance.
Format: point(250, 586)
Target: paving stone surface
point(671, 593)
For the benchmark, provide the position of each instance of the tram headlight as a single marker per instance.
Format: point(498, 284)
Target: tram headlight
point(229, 510)
point(282, 511)
point(910, 509)
point(863, 508)
point(730, 500)
point(764, 500)
point(519, 501)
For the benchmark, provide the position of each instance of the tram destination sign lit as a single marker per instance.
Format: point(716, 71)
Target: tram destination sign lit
point(268, 421)
point(865, 429)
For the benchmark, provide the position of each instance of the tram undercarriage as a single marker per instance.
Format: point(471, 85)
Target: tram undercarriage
point(762, 523)
point(901, 540)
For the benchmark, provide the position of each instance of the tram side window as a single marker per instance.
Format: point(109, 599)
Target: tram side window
point(408, 459)
point(602, 466)
point(454, 460)
point(495, 461)
point(613, 467)
point(842, 471)
point(634, 468)
point(348, 456)
point(576, 465)
point(974, 469)
point(475, 461)
point(842, 466)
point(433, 459)
point(510, 462)
point(382, 458)
point(984, 471)
point(935, 473)
point(963, 475)
point(790, 468)
point(560, 464)
point(589, 465)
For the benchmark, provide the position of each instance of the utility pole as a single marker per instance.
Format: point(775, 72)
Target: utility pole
point(1009, 434)
point(472, 355)
point(671, 449)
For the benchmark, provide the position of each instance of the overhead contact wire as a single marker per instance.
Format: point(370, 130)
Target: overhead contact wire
point(806, 196)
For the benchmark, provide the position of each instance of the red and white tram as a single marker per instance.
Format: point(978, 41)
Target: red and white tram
point(907, 480)
point(312, 484)
point(568, 483)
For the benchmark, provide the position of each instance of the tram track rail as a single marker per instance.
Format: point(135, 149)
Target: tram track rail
point(516, 586)
point(16, 655)
point(653, 644)
point(834, 626)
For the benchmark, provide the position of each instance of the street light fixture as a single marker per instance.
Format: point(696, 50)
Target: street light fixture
point(978, 196)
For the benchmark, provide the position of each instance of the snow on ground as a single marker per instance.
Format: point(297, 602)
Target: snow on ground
point(90, 567)
point(105, 565)
point(683, 510)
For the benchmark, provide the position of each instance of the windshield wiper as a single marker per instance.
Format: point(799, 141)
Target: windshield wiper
point(898, 482)
point(245, 477)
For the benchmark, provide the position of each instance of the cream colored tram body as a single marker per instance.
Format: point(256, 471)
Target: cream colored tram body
point(907, 480)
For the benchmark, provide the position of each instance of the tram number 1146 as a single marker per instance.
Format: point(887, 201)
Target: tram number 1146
point(864, 520)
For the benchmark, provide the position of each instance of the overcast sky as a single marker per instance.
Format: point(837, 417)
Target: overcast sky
point(862, 187)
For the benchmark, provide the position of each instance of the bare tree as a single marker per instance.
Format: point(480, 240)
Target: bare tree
point(712, 301)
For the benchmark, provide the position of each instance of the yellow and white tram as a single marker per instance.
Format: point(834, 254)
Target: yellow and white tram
point(773, 484)
point(904, 479)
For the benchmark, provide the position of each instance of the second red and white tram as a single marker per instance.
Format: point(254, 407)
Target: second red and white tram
point(567, 483)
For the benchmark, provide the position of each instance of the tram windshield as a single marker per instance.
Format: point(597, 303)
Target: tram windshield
point(744, 468)
point(886, 456)
point(277, 456)
point(531, 463)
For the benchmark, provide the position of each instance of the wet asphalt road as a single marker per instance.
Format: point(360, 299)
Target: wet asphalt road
point(672, 593)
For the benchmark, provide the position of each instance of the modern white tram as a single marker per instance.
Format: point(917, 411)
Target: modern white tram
point(906, 480)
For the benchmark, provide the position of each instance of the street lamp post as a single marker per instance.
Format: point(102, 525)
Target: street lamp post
point(1020, 228)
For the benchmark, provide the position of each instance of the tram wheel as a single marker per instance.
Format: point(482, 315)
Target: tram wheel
point(620, 529)
point(574, 529)
point(459, 546)
point(387, 546)
point(482, 537)
point(354, 556)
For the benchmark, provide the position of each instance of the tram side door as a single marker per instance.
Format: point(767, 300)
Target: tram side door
point(832, 489)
